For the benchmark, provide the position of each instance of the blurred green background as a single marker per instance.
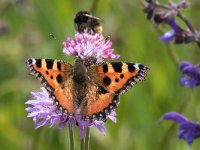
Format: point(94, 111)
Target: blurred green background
point(25, 28)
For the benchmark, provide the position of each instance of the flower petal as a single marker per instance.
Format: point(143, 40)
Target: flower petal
point(175, 117)
point(189, 131)
point(168, 36)
point(112, 116)
point(174, 26)
point(100, 127)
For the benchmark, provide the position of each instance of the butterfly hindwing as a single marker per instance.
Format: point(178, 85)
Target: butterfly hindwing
point(55, 74)
point(64, 98)
point(100, 104)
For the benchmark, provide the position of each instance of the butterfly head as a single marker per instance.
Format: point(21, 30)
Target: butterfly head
point(86, 60)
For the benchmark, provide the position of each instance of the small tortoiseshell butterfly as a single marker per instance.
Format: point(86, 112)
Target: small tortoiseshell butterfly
point(93, 88)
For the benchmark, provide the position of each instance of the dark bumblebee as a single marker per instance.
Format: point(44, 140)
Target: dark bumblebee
point(84, 21)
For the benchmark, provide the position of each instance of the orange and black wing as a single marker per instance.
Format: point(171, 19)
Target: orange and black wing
point(118, 77)
point(109, 80)
point(55, 75)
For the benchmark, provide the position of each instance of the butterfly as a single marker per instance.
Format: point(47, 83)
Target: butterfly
point(85, 21)
point(94, 89)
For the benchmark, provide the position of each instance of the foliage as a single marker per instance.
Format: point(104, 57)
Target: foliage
point(25, 28)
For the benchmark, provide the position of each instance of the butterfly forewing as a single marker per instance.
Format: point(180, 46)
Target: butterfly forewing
point(56, 75)
point(117, 77)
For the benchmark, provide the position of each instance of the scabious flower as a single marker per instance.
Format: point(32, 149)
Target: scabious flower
point(89, 46)
point(177, 34)
point(43, 111)
point(188, 130)
point(191, 74)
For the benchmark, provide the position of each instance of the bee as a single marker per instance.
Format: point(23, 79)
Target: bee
point(85, 21)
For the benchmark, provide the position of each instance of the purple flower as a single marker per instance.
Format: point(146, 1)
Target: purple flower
point(188, 130)
point(89, 47)
point(44, 112)
point(191, 73)
point(170, 35)
point(177, 34)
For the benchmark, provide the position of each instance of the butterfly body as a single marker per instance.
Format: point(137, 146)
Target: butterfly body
point(92, 89)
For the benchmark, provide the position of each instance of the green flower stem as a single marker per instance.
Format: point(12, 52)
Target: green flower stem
point(71, 138)
point(37, 139)
point(174, 57)
point(86, 141)
point(87, 138)
point(82, 144)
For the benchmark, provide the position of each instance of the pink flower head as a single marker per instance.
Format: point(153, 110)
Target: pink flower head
point(89, 46)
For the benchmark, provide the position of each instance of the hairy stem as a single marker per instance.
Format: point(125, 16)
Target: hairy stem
point(172, 54)
point(82, 144)
point(87, 138)
point(71, 138)
point(186, 21)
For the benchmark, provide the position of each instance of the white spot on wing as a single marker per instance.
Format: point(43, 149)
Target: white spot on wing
point(33, 60)
point(136, 66)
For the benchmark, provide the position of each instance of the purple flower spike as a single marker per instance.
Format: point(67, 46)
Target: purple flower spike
point(192, 74)
point(88, 46)
point(188, 130)
point(44, 112)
